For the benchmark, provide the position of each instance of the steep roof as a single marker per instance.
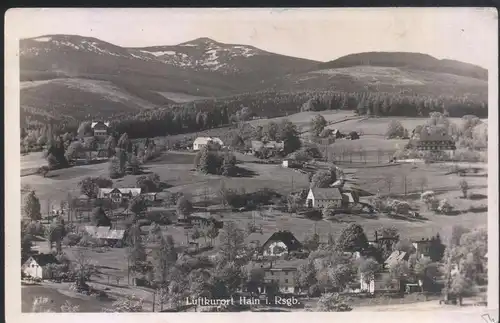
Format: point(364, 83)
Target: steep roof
point(326, 193)
point(261, 238)
point(104, 233)
point(201, 140)
point(287, 238)
point(206, 140)
point(99, 122)
point(45, 259)
point(437, 134)
point(349, 198)
point(396, 256)
point(205, 215)
point(132, 191)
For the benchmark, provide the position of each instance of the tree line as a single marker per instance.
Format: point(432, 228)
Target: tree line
point(208, 114)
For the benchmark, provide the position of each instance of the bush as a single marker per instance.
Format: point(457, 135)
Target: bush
point(444, 207)
point(143, 222)
point(163, 217)
point(400, 207)
point(328, 212)
point(72, 239)
point(87, 241)
point(395, 130)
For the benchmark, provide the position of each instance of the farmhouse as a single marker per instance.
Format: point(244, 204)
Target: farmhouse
point(291, 163)
point(274, 244)
point(151, 196)
point(321, 197)
point(434, 141)
point(118, 195)
point(33, 267)
point(106, 234)
point(205, 219)
point(100, 128)
point(283, 274)
point(422, 247)
point(200, 142)
point(337, 134)
point(273, 146)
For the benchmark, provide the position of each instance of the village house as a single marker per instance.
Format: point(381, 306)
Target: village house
point(274, 244)
point(291, 163)
point(118, 195)
point(337, 134)
point(272, 147)
point(205, 219)
point(150, 196)
point(200, 142)
point(111, 237)
point(322, 197)
point(33, 266)
point(100, 128)
point(281, 274)
point(434, 141)
point(422, 247)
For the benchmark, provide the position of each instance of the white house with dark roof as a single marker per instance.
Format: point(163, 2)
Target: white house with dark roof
point(117, 195)
point(434, 140)
point(274, 244)
point(33, 266)
point(200, 142)
point(100, 128)
point(321, 197)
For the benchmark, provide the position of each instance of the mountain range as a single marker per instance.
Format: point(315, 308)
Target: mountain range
point(69, 76)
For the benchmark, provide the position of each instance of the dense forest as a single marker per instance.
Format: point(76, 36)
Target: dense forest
point(207, 114)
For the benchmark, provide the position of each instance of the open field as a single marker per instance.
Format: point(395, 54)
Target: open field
point(176, 170)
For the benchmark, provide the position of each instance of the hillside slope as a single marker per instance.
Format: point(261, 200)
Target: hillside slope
point(416, 61)
point(85, 77)
point(381, 79)
point(75, 98)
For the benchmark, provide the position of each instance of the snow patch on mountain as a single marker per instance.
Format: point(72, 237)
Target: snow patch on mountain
point(43, 39)
point(160, 53)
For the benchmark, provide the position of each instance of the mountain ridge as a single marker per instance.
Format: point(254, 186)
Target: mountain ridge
point(205, 68)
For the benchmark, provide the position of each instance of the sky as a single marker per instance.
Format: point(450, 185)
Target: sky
point(464, 34)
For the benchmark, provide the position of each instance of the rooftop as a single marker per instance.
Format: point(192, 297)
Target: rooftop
point(45, 259)
point(326, 193)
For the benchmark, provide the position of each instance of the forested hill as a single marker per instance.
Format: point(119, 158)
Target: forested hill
point(415, 61)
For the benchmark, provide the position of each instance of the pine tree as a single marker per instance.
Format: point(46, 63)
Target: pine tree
point(32, 206)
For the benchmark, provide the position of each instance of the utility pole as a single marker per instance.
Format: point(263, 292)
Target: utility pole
point(154, 299)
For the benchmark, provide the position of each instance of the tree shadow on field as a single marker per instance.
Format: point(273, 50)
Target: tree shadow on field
point(478, 209)
point(405, 218)
point(476, 197)
point(163, 186)
point(453, 213)
point(107, 267)
point(243, 172)
point(339, 220)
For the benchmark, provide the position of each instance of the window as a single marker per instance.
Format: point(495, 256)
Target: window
point(286, 280)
